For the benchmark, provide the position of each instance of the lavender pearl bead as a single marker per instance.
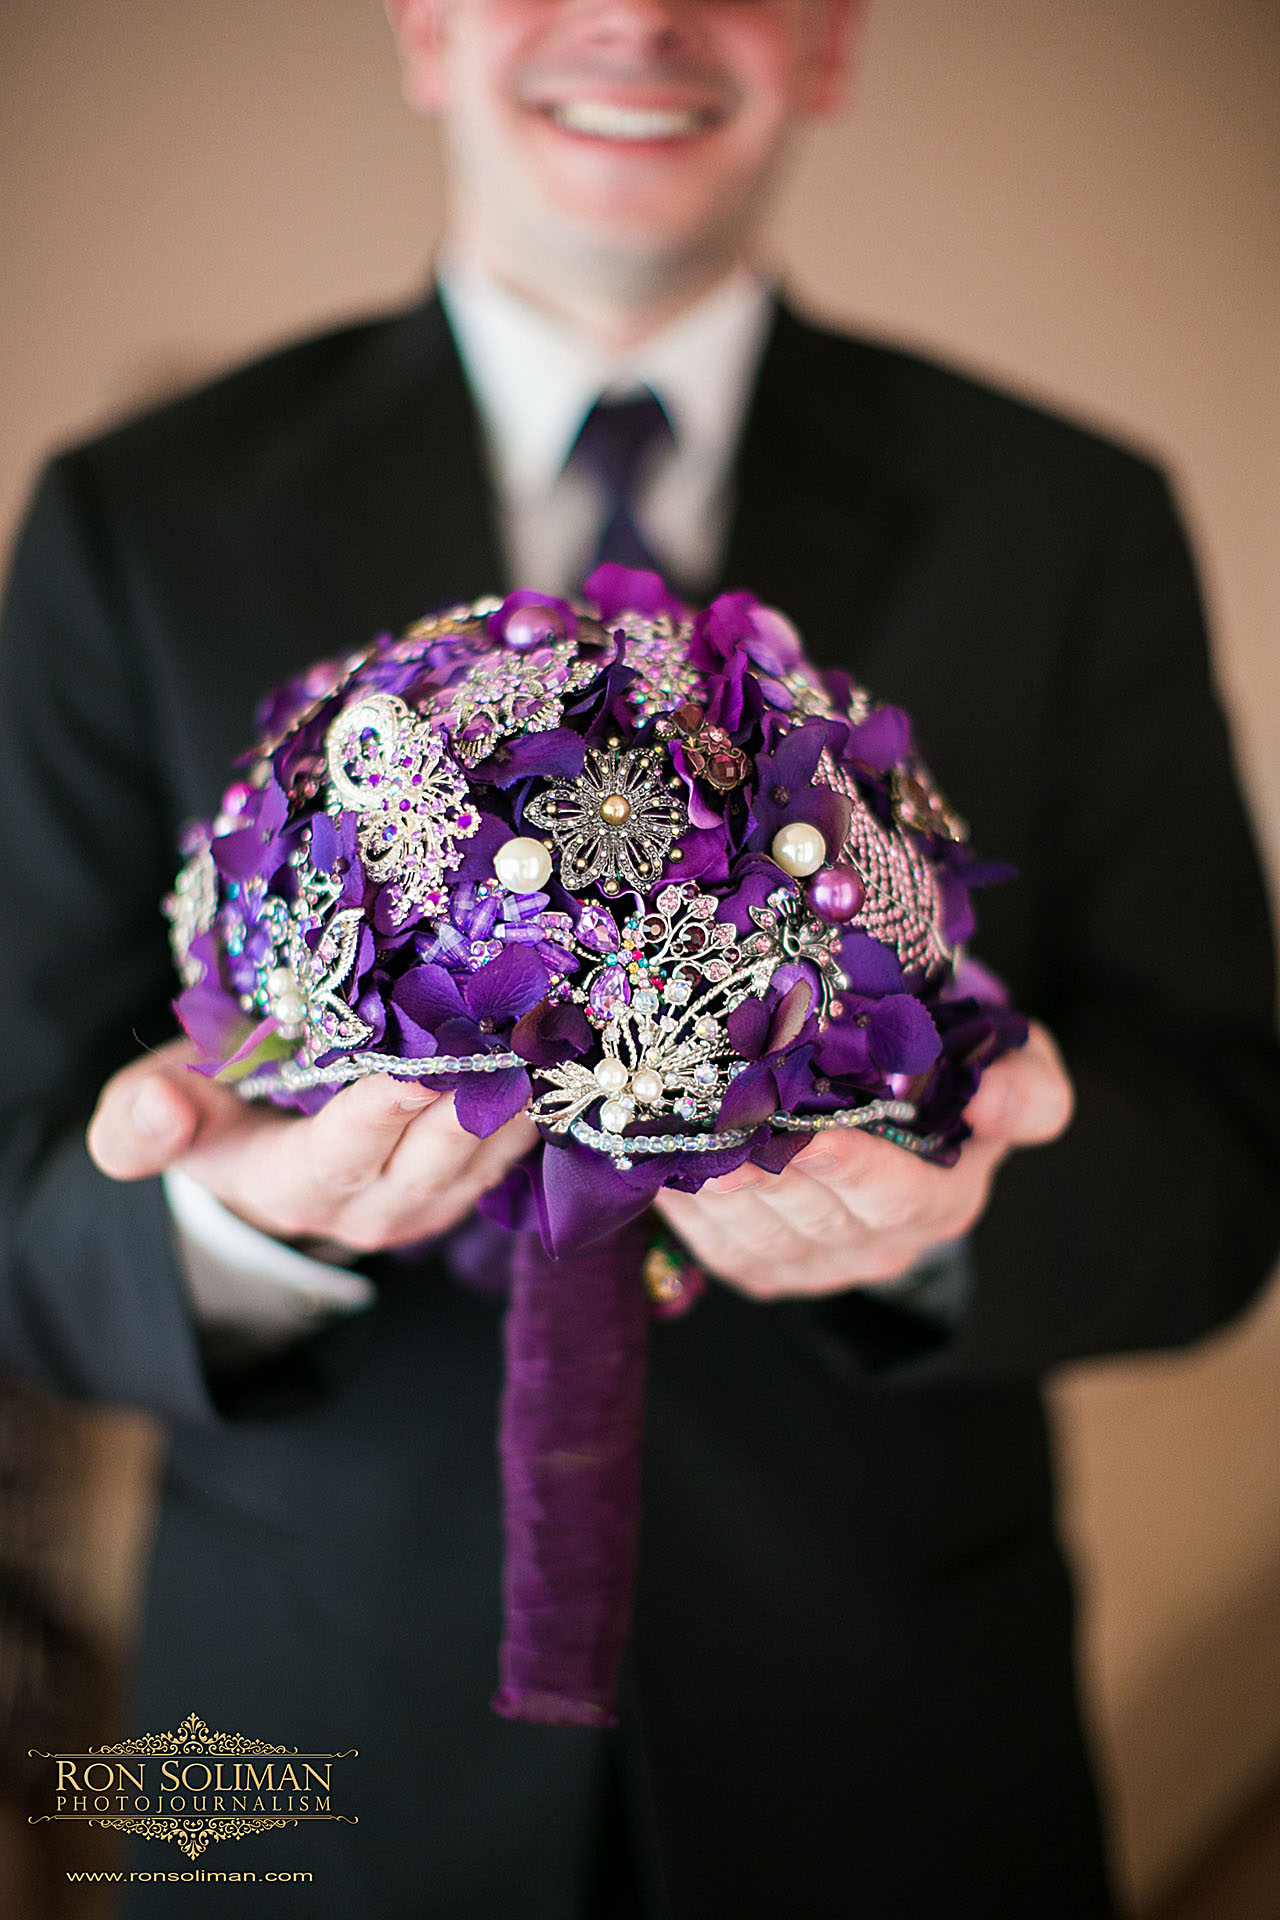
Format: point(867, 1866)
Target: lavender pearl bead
point(836, 893)
point(533, 627)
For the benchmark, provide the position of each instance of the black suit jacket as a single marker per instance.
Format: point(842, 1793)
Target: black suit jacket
point(851, 1685)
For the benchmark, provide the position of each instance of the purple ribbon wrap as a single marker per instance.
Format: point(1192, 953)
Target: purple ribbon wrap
point(571, 1443)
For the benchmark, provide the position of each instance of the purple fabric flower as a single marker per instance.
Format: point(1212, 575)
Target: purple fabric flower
point(786, 790)
point(258, 845)
point(881, 741)
point(557, 754)
point(551, 1033)
point(756, 877)
point(718, 649)
point(879, 1037)
point(616, 591)
point(765, 1035)
point(430, 1005)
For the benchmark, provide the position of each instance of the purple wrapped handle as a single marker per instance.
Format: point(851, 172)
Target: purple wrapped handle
point(571, 1443)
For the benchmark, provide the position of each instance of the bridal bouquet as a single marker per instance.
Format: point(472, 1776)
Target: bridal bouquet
point(651, 877)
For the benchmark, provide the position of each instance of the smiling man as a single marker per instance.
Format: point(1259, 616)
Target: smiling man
point(610, 163)
point(851, 1684)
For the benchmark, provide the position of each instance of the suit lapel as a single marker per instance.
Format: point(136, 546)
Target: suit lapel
point(403, 518)
point(400, 516)
point(819, 529)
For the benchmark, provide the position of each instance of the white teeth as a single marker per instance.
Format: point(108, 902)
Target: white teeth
point(612, 122)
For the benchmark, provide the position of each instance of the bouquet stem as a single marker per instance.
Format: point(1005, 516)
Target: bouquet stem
point(571, 1443)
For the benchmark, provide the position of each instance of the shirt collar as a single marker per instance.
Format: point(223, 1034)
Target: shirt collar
point(534, 380)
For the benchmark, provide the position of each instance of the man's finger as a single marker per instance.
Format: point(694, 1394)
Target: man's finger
point(1026, 1098)
point(436, 1175)
point(313, 1167)
point(153, 1111)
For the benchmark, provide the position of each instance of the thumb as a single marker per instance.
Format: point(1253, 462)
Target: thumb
point(1025, 1098)
point(151, 1112)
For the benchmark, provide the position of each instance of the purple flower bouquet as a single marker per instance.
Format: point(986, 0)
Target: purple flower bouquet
point(651, 877)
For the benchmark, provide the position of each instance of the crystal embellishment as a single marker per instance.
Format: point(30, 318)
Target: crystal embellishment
point(615, 822)
point(394, 770)
point(669, 1048)
point(191, 910)
point(903, 907)
point(513, 693)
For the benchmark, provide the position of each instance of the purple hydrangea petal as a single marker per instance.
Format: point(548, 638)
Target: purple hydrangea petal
point(791, 1015)
point(476, 863)
point(211, 1016)
point(412, 1041)
point(484, 1102)
point(429, 996)
point(506, 987)
point(748, 1027)
point(881, 741)
point(903, 1037)
point(772, 642)
point(752, 1096)
point(549, 1034)
point(958, 918)
point(869, 965)
point(324, 843)
point(616, 590)
point(844, 1050)
point(704, 855)
point(557, 754)
point(794, 1076)
point(758, 877)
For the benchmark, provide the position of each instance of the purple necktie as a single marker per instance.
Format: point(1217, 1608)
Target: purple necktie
point(614, 441)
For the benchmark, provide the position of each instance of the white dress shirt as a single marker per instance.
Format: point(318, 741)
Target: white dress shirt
point(534, 382)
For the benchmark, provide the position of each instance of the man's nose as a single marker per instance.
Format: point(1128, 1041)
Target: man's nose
point(663, 26)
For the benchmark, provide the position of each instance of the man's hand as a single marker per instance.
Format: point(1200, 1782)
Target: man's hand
point(385, 1163)
point(850, 1209)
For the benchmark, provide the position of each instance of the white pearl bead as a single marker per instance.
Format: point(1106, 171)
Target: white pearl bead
point(523, 866)
point(281, 980)
point(615, 1115)
point(647, 1085)
point(290, 1009)
point(611, 1075)
point(799, 848)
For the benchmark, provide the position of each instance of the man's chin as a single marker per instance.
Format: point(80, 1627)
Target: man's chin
point(639, 261)
point(643, 233)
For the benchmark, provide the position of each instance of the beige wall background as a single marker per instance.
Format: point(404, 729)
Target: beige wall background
point(1082, 199)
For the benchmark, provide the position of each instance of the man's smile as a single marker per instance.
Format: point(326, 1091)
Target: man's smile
point(612, 120)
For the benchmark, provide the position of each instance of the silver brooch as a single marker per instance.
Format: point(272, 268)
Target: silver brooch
point(300, 985)
point(389, 766)
point(658, 650)
point(903, 906)
point(515, 693)
point(802, 936)
point(919, 803)
point(300, 972)
point(615, 822)
point(191, 910)
point(666, 1051)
